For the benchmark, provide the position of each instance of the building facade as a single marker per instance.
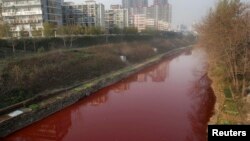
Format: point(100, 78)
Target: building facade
point(157, 16)
point(72, 13)
point(1, 17)
point(157, 2)
point(30, 15)
point(140, 22)
point(134, 3)
point(134, 7)
point(116, 17)
point(162, 15)
point(90, 14)
point(95, 14)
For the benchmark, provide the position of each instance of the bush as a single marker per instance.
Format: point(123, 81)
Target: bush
point(34, 106)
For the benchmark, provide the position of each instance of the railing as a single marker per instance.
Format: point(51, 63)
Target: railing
point(20, 4)
point(21, 13)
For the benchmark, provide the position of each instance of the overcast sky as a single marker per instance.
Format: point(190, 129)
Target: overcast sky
point(183, 11)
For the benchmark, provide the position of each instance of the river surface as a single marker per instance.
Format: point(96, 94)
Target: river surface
point(169, 101)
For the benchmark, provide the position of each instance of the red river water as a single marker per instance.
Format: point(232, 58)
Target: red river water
point(169, 101)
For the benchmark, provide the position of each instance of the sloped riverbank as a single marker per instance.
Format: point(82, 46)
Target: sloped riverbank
point(29, 114)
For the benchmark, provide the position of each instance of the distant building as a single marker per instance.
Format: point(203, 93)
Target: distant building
point(30, 15)
point(161, 13)
point(150, 23)
point(157, 2)
point(95, 13)
point(182, 28)
point(134, 3)
point(116, 17)
point(73, 14)
point(157, 16)
point(138, 10)
point(163, 26)
point(140, 22)
point(134, 7)
point(1, 17)
point(88, 14)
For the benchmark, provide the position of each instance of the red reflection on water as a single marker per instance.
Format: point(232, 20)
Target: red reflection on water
point(170, 101)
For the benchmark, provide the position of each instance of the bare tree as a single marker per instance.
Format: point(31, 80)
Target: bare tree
point(13, 35)
point(36, 35)
point(68, 33)
point(22, 37)
point(225, 35)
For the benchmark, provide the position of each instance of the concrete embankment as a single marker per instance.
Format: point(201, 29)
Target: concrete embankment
point(24, 116)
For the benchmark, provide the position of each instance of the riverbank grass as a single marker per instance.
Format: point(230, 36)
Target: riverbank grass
point(230, 113)
point(230, 107)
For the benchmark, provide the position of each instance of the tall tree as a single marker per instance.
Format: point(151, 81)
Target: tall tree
point(36, 34)
point(4, 31)
point(68, 33)
point(48, 29)
point(23, 36)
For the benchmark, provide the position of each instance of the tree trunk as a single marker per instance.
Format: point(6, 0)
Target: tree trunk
point(64, 42)
point(231, 67)
point(13, 49)
point(24, 45)
point(34, 45)
point(71, 41)
point(245, 59)
point(236, 77)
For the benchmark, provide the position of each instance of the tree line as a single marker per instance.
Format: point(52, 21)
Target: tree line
point(225, 34)
point(51, 30)
point(67, 32)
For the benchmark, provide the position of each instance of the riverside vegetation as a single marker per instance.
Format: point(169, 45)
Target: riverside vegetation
point(25, 77)
point(225, 34)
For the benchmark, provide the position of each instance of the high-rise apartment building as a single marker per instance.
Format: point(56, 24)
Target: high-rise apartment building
point(95, 13)
point(88, 14)
point(157, 2)
point(116, 17)
point(1, 18)
point(157, 16)
point(140, 22)
point(72, 13)
point(29, 15)
point(161, 12)
point(134, 7)
point(134, 3)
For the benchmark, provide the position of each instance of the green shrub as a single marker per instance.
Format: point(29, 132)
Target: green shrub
point(230, 107)
point(228, 93)
point(34, 106)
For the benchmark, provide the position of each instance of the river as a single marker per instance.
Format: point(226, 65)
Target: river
point(169, 101)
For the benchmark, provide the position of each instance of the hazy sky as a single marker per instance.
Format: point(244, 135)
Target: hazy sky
point(183, 11)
